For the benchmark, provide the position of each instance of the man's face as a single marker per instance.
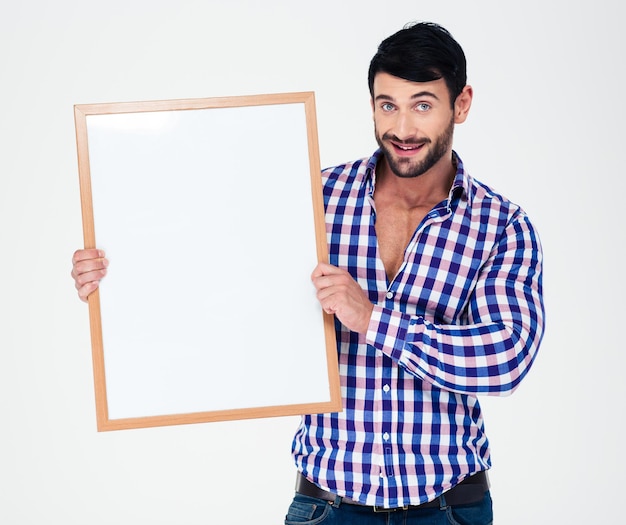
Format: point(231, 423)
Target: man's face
point(413, 123)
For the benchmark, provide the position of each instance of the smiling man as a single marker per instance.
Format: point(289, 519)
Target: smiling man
point(409, 112)
point(435, 282)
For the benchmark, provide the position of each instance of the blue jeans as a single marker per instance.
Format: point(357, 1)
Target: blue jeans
point(305, 510)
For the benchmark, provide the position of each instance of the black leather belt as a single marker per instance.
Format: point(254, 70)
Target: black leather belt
point(470, 490)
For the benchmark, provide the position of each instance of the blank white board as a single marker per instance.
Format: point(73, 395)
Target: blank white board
point(211, 213)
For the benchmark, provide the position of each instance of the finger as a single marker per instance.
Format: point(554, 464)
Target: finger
point(323, 268)
point(88, 253)
point(340, 282)
point(327, 302)
point(320, 282)
point(327, 275)
point(86, 290)
point(89, 277)
point(88, 265)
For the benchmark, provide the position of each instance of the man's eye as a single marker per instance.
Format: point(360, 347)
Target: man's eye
point(387, 106)
point(422, 106)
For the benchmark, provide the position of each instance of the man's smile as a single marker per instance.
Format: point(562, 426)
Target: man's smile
point(407, 149)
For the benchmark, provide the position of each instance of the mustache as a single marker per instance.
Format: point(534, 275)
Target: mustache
point(409, 142)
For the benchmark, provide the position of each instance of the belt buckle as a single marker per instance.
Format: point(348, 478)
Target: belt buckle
point(379, 509)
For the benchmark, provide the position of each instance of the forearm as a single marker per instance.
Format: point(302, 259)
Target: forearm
point(490, 347)
point(489, 358)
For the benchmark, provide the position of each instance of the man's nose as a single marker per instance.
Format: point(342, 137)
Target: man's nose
point(405, 126)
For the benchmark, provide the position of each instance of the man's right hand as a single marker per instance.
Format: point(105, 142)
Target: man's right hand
point(89, 266)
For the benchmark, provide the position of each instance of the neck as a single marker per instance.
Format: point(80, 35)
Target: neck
point(430, 187)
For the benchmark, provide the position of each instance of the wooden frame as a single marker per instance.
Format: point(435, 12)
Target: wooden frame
point(211, 213)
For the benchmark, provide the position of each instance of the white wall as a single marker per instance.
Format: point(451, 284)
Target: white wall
point(544, 130)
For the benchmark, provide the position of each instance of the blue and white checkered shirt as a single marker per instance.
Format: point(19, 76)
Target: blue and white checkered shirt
point(463, 316)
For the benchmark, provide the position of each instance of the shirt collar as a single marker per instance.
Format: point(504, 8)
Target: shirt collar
point(370, 171)
point(460, 186)
point(462, 183)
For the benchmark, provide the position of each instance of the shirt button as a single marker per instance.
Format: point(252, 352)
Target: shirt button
point(386, 388)
point(389, 295)
point(386, 436)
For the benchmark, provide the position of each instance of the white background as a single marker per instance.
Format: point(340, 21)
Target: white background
point(545, 130)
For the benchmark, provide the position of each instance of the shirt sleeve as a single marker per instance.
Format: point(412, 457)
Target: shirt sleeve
point(492, 349)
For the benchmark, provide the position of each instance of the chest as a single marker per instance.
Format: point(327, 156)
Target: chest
point(420, 262)
point(395, 228)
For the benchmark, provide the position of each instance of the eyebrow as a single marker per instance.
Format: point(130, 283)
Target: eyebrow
point(420, 94)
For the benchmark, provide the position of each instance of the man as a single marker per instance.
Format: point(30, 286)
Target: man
point(435, 283)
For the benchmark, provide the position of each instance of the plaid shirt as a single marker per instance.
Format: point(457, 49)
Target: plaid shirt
point(463, 316)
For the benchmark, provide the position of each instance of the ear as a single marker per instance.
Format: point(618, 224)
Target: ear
point(462, 104)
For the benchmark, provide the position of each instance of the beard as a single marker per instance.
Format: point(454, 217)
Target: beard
point(409, 168)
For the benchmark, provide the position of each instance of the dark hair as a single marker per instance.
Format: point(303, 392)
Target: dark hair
point(421, 52)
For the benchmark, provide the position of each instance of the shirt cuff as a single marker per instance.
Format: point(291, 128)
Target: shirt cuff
point(388, 329)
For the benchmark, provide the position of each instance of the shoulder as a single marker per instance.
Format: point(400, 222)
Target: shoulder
point(484, 196)
point(502, 216)
point(487, 206)
point(346, 171)
point(356, 172)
